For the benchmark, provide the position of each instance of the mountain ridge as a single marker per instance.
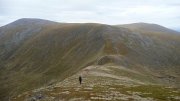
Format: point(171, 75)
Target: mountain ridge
point(41, 52)
point(148, 27)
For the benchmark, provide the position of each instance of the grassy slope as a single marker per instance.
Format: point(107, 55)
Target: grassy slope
point(52, 54)
point(102, 83)
point(55, 51)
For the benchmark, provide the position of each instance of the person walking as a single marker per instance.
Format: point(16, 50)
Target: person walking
point(80, 80)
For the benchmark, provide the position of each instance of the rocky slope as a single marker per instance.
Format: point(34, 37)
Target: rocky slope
point(103, 83)
point(36, 53)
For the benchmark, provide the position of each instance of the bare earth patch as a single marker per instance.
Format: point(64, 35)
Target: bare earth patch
point(101, 85)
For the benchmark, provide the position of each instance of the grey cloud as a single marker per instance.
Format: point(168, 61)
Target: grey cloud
point(102, 11)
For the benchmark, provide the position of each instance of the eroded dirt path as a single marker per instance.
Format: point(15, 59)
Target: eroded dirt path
point(102, 84)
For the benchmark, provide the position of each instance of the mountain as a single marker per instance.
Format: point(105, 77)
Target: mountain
point(37, 53)
point(146, 27)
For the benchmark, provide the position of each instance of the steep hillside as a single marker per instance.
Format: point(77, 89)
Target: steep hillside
point(36, 53)
point(152, 30)
point(145, 27)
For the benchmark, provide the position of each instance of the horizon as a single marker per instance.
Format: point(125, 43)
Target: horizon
point(178, 30)
point(164, 13)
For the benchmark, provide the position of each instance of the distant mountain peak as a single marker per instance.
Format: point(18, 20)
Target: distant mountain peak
point(30, 21)
point(148, 27)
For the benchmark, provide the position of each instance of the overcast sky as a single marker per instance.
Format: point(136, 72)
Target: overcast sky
point(163, 12)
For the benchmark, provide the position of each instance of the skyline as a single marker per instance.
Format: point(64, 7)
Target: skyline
point(162, 12)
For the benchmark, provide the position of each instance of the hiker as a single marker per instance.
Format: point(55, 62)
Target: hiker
point(80, 80)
